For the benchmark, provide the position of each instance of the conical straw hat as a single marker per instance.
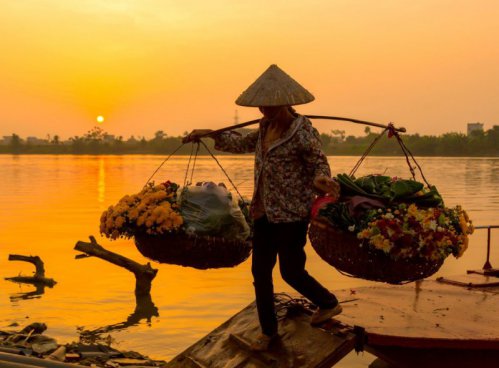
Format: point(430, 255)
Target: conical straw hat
point(274, 88)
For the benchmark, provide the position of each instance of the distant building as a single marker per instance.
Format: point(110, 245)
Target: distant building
point(37, 141)
point(108, 138)
point(475, 127)
point(6, 139)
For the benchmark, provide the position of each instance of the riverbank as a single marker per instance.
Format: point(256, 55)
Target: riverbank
point(29, 345)
point(337, 143)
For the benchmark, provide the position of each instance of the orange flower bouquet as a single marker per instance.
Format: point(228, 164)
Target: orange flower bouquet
point(152, 211)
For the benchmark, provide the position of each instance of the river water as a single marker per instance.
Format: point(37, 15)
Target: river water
point(49, 202)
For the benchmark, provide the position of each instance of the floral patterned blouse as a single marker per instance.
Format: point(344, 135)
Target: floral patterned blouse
point(284, 174)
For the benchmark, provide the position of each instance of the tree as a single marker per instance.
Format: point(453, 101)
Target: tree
point(15, 144)
point(95, 134)
point(77, 144)
point(159, 135)
point(339, 135)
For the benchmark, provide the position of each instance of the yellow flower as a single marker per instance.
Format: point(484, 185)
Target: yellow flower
point(412, 210)
point(159, 195)
point(109, 222)
point(158, 211)
point(464, 245)
point(141, 220)
point(133, 214)
point(178, 221)
point(119, 221)
point(464, 222)
point(169, 223)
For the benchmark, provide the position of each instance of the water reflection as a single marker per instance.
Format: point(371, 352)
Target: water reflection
point(144, 310)
point(101, 182)
point(35, 294)
point(38, 279)
point(417, 291)
point(48, 202)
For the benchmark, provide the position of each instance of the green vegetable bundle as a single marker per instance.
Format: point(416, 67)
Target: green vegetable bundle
point(390, 190)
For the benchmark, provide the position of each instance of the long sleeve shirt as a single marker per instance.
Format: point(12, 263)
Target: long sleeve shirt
point(285, 171)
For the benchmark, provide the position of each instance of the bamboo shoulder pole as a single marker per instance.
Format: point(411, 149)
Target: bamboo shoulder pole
point(323, 117)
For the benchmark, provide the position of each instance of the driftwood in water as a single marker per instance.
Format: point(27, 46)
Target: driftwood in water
point(144, 274)
point(38, 279)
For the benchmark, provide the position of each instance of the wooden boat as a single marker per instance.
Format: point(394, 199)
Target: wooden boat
point(429, 323)
point(446, 323)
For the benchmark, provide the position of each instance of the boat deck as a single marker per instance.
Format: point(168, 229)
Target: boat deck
point(430, 323)
point(425, 314)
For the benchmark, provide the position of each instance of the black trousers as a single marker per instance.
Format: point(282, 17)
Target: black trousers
point(288, 241)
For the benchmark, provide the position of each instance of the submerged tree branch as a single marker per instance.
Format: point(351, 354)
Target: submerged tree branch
point(38, 278)
point(144, 274)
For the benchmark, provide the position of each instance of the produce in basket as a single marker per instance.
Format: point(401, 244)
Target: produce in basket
point(210, 209)
point(154, 210)
point(396, 221)
point(199, 226)
point(204, 210)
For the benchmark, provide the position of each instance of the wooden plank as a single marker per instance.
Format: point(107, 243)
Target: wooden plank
point(486, 272)
point(263, 357)
point(299, 344)
point(195, 362)
point(472, 280)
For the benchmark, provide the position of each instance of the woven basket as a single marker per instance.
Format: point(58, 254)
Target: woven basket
point(341, 250)
point(200, 252)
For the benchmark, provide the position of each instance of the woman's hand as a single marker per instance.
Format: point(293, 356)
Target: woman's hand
point(327, 186)
point(195, 135)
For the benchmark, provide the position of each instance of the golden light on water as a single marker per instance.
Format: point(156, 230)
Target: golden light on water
point(100, 119)
point(101, 183)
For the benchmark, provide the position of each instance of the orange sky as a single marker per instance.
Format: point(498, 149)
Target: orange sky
point(145, 65)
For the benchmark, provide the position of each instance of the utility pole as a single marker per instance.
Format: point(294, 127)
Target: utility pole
point(236, 118)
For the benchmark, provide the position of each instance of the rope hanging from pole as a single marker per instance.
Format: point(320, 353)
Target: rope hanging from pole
point(366, 153)
point(392, 132)
point(164, 161)
point(223, 170)
point(188, 165)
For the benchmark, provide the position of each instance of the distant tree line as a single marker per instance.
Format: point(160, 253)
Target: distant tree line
point(97, 141)
point(478, 143)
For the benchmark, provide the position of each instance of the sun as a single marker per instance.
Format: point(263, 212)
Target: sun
point(100, 119)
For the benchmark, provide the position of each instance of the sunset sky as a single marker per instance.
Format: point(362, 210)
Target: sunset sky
point(147, 65)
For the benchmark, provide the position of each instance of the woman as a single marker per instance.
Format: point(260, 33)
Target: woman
point(289, 165)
